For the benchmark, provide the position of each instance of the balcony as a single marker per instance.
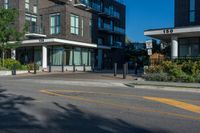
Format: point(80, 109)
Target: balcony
point(119, 30)
point(117, 44)
point(110, 13)
point(82, 4)
point(35, 32)
point(120, 1)
point(108, 28)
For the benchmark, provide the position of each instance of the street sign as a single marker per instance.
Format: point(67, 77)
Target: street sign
point(149, 51)
point(149, 44)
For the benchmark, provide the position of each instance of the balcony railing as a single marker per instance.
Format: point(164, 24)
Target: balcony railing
point(120, 1)
point(109, 28)
point(117, 44)
point(86, 4)
point(119, 30)
point(35, 29)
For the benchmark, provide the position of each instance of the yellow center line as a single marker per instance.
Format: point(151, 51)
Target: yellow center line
point(119, 105)
point(112, 94)
point(178, 104)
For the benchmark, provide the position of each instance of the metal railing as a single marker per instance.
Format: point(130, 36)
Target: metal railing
point(35, 29)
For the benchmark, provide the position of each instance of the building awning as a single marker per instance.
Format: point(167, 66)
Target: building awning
point(56, 41)
point(165, 34)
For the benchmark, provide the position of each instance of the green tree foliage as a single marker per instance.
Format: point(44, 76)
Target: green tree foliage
point(10, 38)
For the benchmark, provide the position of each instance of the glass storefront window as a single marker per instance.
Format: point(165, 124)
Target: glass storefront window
point(85, 56)
point(57, 55)
point(77, 56)
point(189, 47)
point(68, 57)
point(38, 55)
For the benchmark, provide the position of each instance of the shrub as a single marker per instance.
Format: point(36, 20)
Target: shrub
point(154, 69)
point(2, 68)
point(9, 63)
point(167, 65)
point(156, 77)
point(31, 66)
point(185, 71)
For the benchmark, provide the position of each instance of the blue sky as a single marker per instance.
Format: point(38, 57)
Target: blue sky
point(147, 14)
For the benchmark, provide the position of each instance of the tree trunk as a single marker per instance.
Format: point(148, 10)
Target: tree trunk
point(3, 57)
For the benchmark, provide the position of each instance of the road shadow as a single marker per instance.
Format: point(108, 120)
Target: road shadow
point(69, 119)
point(74, 120)
point(11, 117)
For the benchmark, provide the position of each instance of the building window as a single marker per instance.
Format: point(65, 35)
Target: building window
point(55, 23)
point(27, 6)
point(35, 9)
point(6, 4)
point(32, 21)
point(74, 24)
point(192, 11)
point(77, 56)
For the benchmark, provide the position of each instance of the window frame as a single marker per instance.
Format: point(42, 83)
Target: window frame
point(57, 24)
point(74, 29)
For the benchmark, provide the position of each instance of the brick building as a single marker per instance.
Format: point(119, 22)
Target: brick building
point(70, 32)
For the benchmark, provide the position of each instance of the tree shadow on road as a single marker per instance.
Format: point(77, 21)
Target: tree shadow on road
point(74, 120)
point(70, 119)
point(11, 117)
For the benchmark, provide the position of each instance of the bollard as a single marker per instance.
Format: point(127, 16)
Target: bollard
point(35, 68)
point(127, 68)
point(62, 67)
point(74, 68)
point(84, 68)
point(49, 66)
point(93, 67)
point(115, 69)
point(124, 71)
point(14, 69)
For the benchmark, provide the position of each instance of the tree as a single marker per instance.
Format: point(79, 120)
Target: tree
point(10, 38)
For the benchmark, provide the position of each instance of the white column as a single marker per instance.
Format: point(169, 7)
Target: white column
point(100, 54)
point(174, 47)
point(44, 57)
point(13, 54)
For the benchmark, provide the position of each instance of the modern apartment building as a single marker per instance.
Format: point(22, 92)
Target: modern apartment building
point(184, 37)
point(70, 32)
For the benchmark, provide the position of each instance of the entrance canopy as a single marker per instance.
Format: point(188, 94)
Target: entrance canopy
point(56, 41)
point(166, 34)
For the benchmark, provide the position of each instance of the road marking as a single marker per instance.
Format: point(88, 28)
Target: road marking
point(112, 94)
point(100, 93)
point(178, 104)
point(121, 106)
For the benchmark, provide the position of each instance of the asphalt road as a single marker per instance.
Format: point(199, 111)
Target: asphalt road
point(92, 103)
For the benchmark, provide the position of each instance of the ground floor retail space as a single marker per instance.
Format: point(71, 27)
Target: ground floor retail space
point(57, 52)
point(58, 55)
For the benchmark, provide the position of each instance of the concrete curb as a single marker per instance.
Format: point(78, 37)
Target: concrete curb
point(166, 88)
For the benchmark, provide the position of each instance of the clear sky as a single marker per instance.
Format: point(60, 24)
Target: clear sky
point(147, 14)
